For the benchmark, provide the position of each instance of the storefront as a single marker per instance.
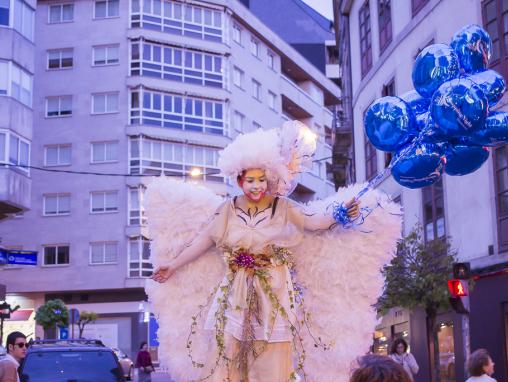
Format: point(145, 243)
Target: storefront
point(489, 318)
point(412, 327)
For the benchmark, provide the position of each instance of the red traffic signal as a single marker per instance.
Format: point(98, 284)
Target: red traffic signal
point(458, 288)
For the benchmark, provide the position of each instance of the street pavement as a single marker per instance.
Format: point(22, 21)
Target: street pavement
point(158, 376)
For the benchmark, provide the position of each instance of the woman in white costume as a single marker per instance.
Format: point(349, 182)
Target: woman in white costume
point(263, 289)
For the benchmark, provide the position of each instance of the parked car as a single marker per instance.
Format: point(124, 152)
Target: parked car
point(70, 360)
point(126, 363)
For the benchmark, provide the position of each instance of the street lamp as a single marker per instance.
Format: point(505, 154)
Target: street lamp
point(195, 172)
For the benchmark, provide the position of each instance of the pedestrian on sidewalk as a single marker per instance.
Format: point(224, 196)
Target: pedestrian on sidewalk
point(480, 366)
point(379, 368)
point(144, 364)
point(399, 354)
point(16, 352)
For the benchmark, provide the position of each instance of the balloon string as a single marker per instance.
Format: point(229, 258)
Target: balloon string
point(340, 210)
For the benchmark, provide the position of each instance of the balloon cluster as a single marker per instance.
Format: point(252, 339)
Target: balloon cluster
point(445, 123)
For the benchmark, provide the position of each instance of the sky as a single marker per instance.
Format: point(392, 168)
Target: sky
point(322, 6)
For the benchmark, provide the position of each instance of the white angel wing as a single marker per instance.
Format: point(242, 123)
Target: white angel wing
point(176, 212)
point(340, 271)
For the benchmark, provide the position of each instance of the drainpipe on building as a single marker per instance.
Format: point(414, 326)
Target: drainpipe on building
point(343, 149)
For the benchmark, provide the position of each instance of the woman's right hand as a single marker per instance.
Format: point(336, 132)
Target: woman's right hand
point(162, 274)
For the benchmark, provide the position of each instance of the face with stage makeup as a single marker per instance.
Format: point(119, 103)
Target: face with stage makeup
point(253, 183)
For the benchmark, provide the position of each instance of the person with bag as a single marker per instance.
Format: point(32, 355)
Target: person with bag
point(144, 364)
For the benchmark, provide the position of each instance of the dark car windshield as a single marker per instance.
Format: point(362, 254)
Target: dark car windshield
point(71, 366)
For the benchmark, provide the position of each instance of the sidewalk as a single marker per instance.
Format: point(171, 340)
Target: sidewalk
point(158, 376)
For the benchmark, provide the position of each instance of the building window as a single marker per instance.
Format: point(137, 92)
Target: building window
point(176, 64)
point(388, 90)
point(316, 169)
point(328, 136)
point(152, 157)
point(417, 5)
point(24, 19)
point(256, 90)
point(61, 13)
point(272, 100)
point(104, 152)
point(21, 85)
point(256, 125)
point(501, 186)
point(365, 38)
point(271, 60)
point(139, 257)
point(433, 211)
point(237, 34)
point(238, 120)
point(388, 159)
point(177, 112)
point(385, 23)
point(370, 160)
point(3, 146)
point(56, 254)
point(178, 18)
point(60, 58)
point(105, 55)
point(104, 252)
point(238, 77)
point(103, 202)
point(4, 12)
point(105, 103)
point(4, 77)
point(495, 21)
point(15, 151)
point(254, 47)
point(106, 9)
point(59, 106)
point(57, 155)
point(137, 214)
point(329, 172)
point(57, 204)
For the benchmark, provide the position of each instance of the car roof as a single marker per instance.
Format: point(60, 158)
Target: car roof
point(67, 345)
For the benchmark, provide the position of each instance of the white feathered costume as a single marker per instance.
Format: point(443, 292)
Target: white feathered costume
point(338, 269)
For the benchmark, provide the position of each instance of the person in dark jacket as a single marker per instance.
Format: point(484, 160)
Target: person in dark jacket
point(144, 364)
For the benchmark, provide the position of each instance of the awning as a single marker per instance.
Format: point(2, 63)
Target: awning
point(21, 315)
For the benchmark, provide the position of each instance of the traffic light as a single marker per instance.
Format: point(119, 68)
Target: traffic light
point(458, 288)
point(461, 271)
point(459, 295)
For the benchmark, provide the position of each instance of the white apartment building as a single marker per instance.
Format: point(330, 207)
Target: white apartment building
point(141, 87)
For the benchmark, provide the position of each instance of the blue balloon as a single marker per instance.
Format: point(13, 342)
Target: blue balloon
point(459, 107)
point(495, 131)
point(435, 65)
point(423, 120)
point(473, 47)
point(389, 123)
point(492, 83)
point(463, 159)
point(418, 165)
point(416, 102)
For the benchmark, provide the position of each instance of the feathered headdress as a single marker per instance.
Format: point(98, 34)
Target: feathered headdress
point(283, 154)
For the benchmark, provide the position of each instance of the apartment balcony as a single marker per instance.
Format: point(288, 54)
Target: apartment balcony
point(14, 192)
point(175, 87)
point(333, 71)
point(300, 104)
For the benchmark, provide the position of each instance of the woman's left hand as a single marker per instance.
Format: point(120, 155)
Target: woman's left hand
point(353, 208)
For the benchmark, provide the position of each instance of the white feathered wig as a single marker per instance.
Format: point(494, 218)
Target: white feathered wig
point(282, 153)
